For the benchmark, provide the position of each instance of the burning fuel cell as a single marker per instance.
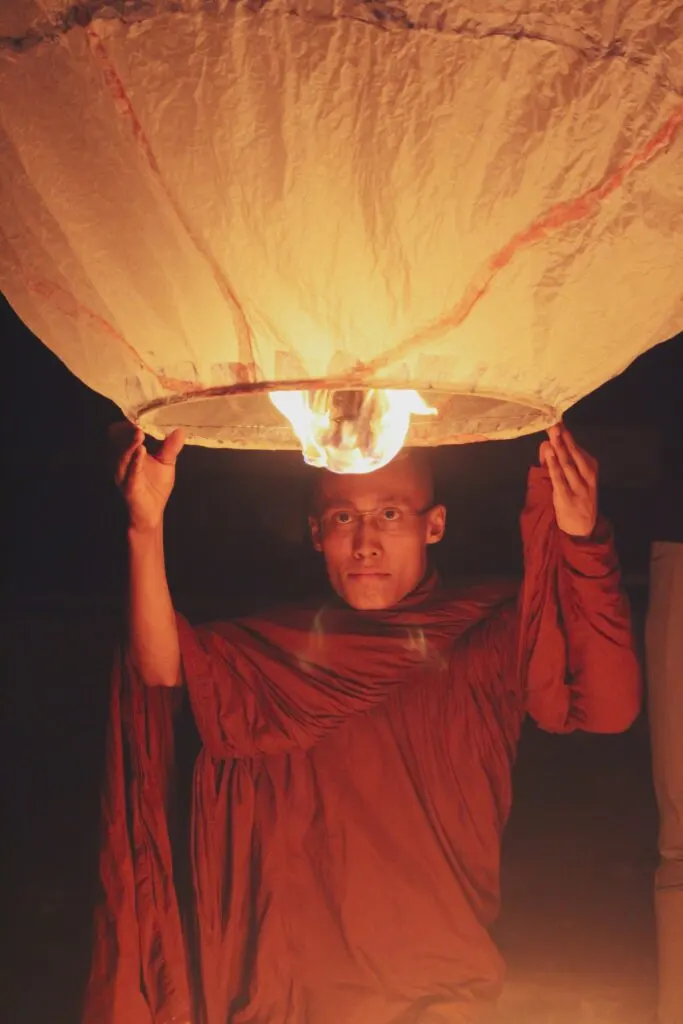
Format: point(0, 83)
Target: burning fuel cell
point(350, 431)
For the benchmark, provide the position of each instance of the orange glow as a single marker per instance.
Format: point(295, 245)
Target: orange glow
point(350, 431)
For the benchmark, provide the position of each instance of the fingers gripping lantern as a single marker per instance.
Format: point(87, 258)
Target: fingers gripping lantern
point(206, 202)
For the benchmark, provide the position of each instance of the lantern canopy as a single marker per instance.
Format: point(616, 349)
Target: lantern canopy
point(206, 201)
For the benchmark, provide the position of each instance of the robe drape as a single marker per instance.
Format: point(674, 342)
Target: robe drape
point(350, 795)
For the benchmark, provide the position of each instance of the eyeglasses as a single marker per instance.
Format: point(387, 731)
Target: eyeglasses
point(386, 520)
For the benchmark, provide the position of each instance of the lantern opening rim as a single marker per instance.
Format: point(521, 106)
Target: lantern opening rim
point(242, 416)
point(308, 384)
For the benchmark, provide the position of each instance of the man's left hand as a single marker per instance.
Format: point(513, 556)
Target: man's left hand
point(574, 476)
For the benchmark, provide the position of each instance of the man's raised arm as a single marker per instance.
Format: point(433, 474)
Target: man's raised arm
point(146, 482)
point(599, 689)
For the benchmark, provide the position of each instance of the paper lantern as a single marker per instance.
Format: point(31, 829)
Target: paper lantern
point(204, 201)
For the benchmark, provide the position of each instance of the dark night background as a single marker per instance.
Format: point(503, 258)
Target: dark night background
point(580, 848)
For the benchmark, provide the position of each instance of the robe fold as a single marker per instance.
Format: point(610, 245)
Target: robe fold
point(350, 795)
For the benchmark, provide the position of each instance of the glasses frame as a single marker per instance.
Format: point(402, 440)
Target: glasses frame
point(359, 517)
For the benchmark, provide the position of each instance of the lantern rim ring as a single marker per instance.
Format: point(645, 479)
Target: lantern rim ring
point(484, 415)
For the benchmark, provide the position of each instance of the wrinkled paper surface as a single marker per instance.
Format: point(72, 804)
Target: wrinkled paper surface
point(479, 198)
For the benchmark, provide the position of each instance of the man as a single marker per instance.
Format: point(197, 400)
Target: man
point(354, 780)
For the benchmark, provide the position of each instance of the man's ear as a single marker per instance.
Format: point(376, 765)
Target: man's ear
point(316, 532)
point(436, 524)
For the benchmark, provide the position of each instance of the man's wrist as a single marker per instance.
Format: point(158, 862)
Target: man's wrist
point(143, 536)
point(600, 534)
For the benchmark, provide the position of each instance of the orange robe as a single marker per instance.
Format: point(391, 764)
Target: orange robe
point(350, 796)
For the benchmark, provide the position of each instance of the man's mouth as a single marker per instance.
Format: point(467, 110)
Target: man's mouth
point(369, 575)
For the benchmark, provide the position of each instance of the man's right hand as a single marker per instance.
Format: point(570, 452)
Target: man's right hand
point(145, 480)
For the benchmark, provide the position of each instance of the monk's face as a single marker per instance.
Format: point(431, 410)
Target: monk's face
point(373, 530)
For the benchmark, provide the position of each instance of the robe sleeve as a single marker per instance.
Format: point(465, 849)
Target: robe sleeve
point(566, 654)
point(139, 973)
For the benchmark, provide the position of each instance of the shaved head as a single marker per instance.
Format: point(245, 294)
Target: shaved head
point(412, 467)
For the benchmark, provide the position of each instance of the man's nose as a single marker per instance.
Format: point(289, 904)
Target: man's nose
point(366, 539)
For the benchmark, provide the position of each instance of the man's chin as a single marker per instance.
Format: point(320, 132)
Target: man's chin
point(373, 603)
point(370, 593)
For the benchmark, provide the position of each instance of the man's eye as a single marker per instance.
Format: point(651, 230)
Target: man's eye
point(342, 518)
point(390, 515)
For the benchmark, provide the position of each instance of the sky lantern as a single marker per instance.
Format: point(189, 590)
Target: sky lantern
point(342, 225)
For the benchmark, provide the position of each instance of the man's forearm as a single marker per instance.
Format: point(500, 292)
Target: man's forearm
point(579, 665)
point(153, 632)
point(604, 670)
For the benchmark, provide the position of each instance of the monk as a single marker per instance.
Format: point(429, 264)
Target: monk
point(355, 774)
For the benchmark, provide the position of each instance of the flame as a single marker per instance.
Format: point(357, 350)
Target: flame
point(350, 431)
